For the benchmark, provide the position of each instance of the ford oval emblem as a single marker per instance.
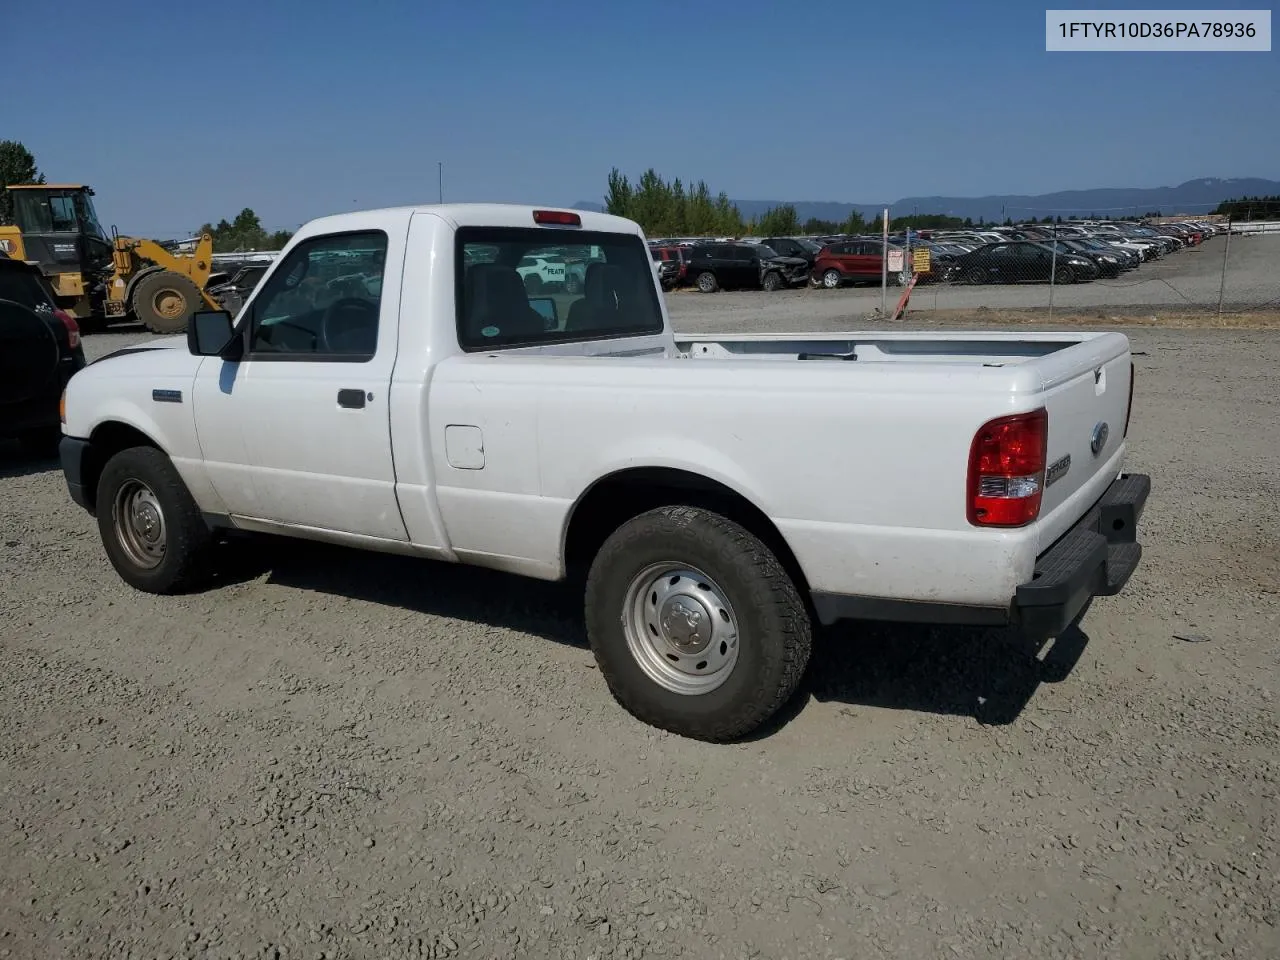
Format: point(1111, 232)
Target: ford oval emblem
point(1099, 438)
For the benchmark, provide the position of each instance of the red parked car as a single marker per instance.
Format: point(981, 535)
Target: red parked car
point(849, 261)
point(677, 276)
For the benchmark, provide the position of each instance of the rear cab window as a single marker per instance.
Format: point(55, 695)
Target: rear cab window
point(517, 287)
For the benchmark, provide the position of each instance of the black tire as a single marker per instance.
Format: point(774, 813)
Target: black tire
point(773, 282)
point(41, 444)
point(975, 275)
point(707, 282)
point(184, 540)
point(832, 279)
point(164, 301)
point(1064, 274)
point(771, 624)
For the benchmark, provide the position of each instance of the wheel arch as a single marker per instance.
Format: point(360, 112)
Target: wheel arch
point(619, 496)
point(106, 440)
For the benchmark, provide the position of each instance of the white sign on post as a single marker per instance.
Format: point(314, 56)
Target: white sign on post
point(895, 261)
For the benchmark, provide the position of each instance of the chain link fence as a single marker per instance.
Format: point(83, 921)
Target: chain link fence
point(1091, 269)
point(1194, 265)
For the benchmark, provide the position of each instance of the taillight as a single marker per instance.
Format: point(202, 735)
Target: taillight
point(1006, 470)
point(73, 328)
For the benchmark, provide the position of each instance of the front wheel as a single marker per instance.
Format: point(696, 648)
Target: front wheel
point(832, 279)
point(150, 526)
point(773, 282)
point(1064, 275)
point(694, 623)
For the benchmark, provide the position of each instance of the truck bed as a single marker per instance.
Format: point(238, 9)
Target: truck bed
point(930, 346)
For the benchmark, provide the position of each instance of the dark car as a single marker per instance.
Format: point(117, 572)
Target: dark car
point(1109, 263)
point(1022, 261)
point(750, 266)
point(800, 247)
point(39, 351)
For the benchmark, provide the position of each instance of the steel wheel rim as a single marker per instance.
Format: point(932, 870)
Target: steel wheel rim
point(168, 303)
point(831, 279)
point(139, 524)
point(680, 628)
point(706, 282)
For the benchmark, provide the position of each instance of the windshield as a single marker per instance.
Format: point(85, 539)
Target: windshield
point(810, 245)
point(767, 253)
point(88, 216)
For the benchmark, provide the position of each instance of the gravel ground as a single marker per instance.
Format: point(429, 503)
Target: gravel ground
point(343, 755)
point(1188, 280)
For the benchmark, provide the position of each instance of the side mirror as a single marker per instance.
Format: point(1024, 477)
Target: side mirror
point(209, 332)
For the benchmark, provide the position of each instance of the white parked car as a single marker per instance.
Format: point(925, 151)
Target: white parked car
point(716, 495)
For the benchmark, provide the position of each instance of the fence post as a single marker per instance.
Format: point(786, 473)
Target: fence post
point(1222, 284)
point(1053, 270)
point(884, 264)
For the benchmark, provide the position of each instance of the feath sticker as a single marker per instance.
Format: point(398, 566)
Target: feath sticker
point(1157, 31)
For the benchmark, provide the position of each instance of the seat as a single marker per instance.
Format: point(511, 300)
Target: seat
point(608, 297)
point(496, 301)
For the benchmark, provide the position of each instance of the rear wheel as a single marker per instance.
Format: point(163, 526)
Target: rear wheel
point(695, 625)
point(773, 282)
point(707, 282)
point(164, 301)
point(150, 526)
point(832, 279)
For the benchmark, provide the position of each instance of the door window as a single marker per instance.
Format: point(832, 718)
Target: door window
point(322, 302)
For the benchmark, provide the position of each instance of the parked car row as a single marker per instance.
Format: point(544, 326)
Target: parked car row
point(1073, 252)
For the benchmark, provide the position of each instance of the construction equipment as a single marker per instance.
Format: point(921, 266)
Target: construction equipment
point(102, 279)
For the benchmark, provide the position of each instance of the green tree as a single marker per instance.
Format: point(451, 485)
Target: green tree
point(246, 232)
point(670, 208)
point(854, 223)
point(618, 200)
point(819, 228)
point(780, 221)
point(17, 165)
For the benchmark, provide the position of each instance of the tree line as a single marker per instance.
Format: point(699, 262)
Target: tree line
point(1250, 208)
point(672, 208)
point(245, 232)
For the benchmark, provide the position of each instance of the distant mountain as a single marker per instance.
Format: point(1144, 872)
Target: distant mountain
point(1194, 196)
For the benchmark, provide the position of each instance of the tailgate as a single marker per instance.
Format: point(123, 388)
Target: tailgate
point(1088, 405)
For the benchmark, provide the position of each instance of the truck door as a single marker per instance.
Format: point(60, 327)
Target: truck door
point(298, 430)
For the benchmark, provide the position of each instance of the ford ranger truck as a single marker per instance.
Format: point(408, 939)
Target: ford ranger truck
point(392, 385)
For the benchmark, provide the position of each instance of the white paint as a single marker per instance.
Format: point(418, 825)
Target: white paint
point(481, 457)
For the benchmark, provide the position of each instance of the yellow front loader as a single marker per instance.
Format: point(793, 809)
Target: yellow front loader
point(99, 278)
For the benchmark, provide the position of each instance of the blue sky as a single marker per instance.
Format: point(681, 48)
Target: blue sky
point(299, 109)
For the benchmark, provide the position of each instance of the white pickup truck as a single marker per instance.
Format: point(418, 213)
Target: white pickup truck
point(386, 388)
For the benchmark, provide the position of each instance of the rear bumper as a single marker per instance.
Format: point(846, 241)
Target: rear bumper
point(1096, 557)
point(72, 451)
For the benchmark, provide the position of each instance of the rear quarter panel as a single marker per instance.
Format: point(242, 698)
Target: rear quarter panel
point(862, 468)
